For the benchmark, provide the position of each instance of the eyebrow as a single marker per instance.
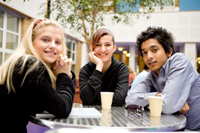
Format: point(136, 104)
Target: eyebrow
point(153, 46)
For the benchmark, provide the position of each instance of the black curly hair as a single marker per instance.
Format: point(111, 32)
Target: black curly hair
point(164, 37)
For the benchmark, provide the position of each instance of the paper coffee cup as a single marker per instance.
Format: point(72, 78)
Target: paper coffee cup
point(155, 105)
point(154, 121)
point(106, 119)
point(106, 100)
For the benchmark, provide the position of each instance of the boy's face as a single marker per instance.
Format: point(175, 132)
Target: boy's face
point(154, 55)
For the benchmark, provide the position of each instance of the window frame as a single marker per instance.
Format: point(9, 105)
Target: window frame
point(4, 29)
point(73, 44)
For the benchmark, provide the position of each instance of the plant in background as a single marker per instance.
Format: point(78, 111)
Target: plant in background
point(85, 16)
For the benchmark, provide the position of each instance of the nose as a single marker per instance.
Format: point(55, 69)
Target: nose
point(149, 55)
point(52, 44)
point(103, 48)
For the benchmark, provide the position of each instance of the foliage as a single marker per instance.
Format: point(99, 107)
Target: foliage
point(10, 0)
point(86, 16)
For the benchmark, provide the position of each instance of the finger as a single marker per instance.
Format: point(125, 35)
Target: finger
point(91, 55)
point(56, 63)
point(62, 60)
point(69, 61)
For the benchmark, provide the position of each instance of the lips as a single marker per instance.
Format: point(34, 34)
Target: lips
point(50, 52)
point(102, 55)
point(152, 63)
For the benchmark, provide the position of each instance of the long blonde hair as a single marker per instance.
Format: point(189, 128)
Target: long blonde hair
point(25, 51)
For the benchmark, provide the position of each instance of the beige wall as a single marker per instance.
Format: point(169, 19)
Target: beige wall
point(78, 58)
point(25, 22)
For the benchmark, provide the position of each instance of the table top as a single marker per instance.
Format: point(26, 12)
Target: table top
point(117, 118)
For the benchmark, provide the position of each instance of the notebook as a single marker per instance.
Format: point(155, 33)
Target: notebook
point(85, 113)
point(76, 113)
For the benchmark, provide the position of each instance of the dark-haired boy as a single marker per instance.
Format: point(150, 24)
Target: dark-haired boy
point(172, 75)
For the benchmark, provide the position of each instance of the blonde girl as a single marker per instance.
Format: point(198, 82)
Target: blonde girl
point(36, 77)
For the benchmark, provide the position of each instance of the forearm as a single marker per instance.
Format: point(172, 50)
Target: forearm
point(119, 98)
point(66, 91)
point(139, 98)
point(90, 87)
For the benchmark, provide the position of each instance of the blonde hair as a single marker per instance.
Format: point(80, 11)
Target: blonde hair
point(26, 51)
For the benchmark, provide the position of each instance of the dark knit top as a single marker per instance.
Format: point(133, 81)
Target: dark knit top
point(92, 82)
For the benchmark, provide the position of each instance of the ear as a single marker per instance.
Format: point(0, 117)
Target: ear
point(91, 48)
point(170, 53)
point(114, 48)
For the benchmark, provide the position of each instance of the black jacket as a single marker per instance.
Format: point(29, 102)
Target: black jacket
point(34, 96)
point(92, 82)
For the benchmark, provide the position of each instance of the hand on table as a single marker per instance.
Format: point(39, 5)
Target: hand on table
point(184, 109)
point(159, 94)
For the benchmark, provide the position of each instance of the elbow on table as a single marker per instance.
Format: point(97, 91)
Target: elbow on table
point(128, 102)
point(64, 114)
point(118, 103)
point(168, 109)
point(86, 101)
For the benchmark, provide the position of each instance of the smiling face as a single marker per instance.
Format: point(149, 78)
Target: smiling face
point(48, 43)
point(104, 48)
point(154, 54)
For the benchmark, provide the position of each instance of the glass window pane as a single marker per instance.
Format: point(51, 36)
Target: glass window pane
point(1, 58)
point(1, 19)
point(74, 46)
point(68, 43)
point(69, 54)
point(167, 3)
point(1, 38)
point(12, 23)
point(11, 41)
point(73, 57)
point(6, 56)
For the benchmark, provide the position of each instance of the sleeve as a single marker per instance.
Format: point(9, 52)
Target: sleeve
point(121, 89)
point(139, 96)
point(58, 102)
point(180, 79)
point(139, 78)
point(90, 84)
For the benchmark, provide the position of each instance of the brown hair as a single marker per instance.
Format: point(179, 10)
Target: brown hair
point(98, 34)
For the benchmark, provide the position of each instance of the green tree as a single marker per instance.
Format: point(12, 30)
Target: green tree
point(86, 16)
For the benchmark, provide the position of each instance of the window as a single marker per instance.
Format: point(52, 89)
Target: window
point(168, 5)
point(71, 52)
point(9, 34)
point(138, 5)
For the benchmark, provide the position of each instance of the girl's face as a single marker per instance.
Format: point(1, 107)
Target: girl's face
point(48, 43)
point(104, 48)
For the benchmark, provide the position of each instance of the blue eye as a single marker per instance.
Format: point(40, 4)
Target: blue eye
point(58, 42)
point(45, 39)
